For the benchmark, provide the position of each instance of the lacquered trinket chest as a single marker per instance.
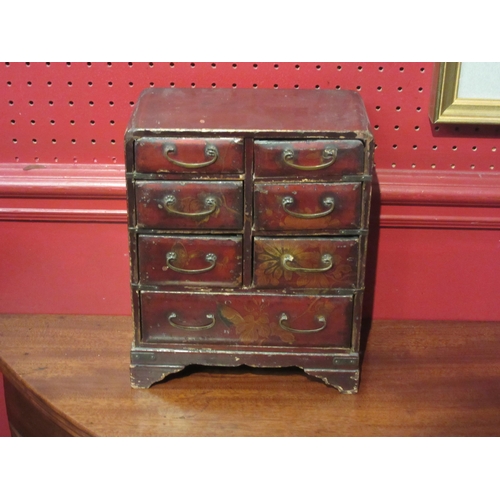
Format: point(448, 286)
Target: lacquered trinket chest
point(248, 217)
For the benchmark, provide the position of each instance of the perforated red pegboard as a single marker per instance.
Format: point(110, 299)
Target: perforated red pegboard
point(77, 112)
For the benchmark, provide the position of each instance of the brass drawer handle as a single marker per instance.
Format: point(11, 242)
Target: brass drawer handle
point(329, 154)
point(328, 202)
point(210, 151)
point(211, 317)
point(325, 259)
point(284, 317)
point(210, 202)
point(172, 256)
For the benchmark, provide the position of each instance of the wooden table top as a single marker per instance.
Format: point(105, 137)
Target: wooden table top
point(418, 379)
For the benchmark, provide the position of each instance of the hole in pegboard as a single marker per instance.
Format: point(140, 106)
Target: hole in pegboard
point(396, 95)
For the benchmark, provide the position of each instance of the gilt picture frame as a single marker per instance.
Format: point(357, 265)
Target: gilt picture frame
point(470, 97)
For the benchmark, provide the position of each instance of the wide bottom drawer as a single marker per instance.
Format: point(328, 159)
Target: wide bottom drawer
point(249, 319)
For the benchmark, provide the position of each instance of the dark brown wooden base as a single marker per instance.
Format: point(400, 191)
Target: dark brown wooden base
point(143, 376)
point(334, 368)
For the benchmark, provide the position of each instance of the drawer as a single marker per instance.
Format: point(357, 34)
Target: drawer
point(314, 159)
point(189, 205)
point(182, 260)
point(320, 263)
point(302, 320)
point(307, 206)
point(189, 155)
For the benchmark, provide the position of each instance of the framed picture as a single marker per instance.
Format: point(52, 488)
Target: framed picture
point(466, 93)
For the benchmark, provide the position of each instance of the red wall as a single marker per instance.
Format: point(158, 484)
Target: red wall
point(435, 234)
point(413, 273)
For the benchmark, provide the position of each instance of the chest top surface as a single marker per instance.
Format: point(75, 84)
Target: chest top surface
point(256, 112)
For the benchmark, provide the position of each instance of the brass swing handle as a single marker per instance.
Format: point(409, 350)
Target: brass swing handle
point(319, 319)
point(172, 256)
point(210, 151)
point(325, 259)
point(211, 317)
point(289, 200)
point(329, 154)
point(170, 202)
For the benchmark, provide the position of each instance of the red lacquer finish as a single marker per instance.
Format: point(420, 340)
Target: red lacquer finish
point(317, 159)
point(189, 205)
point(189, 155)
point(300, 206)
point(190, 260)
point(316, 263)
point(306, 171)
point(259, 320)
point(267, 111)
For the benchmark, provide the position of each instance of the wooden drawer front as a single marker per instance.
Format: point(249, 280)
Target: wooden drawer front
point(215, 261)
point(307, 206)
point(189, 156)
point(304, 320)
point(320, 263)
point(189, 205)
point(314, 159)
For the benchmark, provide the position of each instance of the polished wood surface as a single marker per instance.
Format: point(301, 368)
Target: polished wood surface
point(69, 375)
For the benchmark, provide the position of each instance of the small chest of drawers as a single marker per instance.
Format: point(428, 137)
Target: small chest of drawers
point(248, 216)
